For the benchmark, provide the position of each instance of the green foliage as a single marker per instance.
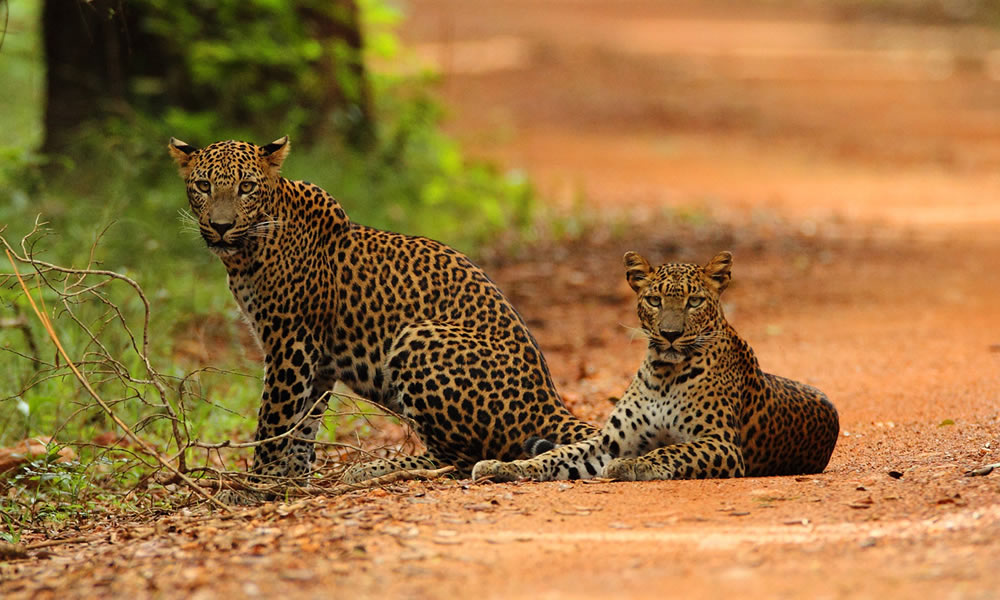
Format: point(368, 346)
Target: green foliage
point(22, 93)
point(47, 488)
point(260, 61)
point(416, 181)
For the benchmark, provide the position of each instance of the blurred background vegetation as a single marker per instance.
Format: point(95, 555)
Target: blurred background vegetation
point(93, 89)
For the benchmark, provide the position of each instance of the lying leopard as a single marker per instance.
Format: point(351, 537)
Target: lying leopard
point(405, 322)
point(699, 407)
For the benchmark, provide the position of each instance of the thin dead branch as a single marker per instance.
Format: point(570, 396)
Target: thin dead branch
point(16, 551)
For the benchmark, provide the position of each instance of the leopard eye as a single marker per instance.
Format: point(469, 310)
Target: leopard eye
point(652, 300)
point(247, 186)
point(203, 186)
point(695, 301)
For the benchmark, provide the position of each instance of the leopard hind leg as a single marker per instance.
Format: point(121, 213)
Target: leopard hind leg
point(365, 470)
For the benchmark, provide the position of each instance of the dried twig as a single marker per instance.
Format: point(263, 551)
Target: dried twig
point(16, 551)
point(63, 542)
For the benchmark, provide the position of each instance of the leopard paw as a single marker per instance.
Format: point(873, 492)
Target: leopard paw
point(240, 497)
point(636, 469)
point(498, 471)
point(622, 469)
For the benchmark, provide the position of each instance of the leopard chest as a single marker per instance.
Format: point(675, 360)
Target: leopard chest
point(680, 403)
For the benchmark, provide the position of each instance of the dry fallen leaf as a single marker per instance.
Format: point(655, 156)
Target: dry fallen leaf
point(982, 471)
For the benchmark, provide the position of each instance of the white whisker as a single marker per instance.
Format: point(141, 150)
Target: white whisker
point(189, 224)
point(635, 332)
point(263, 229)
point(186, 217)
point(265, 225)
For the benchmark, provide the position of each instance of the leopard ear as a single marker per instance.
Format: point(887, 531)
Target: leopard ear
point(637, 271)
point(275, 152)
point(181, 151)
point(719, 271)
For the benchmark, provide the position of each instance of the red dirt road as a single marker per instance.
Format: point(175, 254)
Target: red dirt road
point(852, 166)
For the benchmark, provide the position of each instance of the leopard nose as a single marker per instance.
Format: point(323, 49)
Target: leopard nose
point(670, 336)
point(221, 228)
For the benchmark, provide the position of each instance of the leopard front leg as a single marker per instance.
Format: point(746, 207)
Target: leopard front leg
point(710, 457)
point(581, 460)
point(624, 434)
point(291, 409)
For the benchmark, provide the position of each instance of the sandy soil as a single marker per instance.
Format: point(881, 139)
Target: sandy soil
point(852, 167)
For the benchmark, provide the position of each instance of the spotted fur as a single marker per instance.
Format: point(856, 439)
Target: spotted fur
point(700, 406)
point(405, 322)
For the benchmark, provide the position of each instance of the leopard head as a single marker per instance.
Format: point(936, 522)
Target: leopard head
point(679, 303)
point(229, 185)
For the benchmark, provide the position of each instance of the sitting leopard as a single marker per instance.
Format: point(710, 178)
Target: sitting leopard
point(405, 322)
point(699, 407)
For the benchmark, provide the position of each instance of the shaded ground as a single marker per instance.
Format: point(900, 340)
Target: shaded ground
point(852, 166)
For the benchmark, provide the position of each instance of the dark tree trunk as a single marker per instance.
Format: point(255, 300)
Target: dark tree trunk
point(83, 46)
point(93, 49)
point(337, 22)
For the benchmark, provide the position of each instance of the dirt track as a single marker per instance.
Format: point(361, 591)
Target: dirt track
point(853, 168)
